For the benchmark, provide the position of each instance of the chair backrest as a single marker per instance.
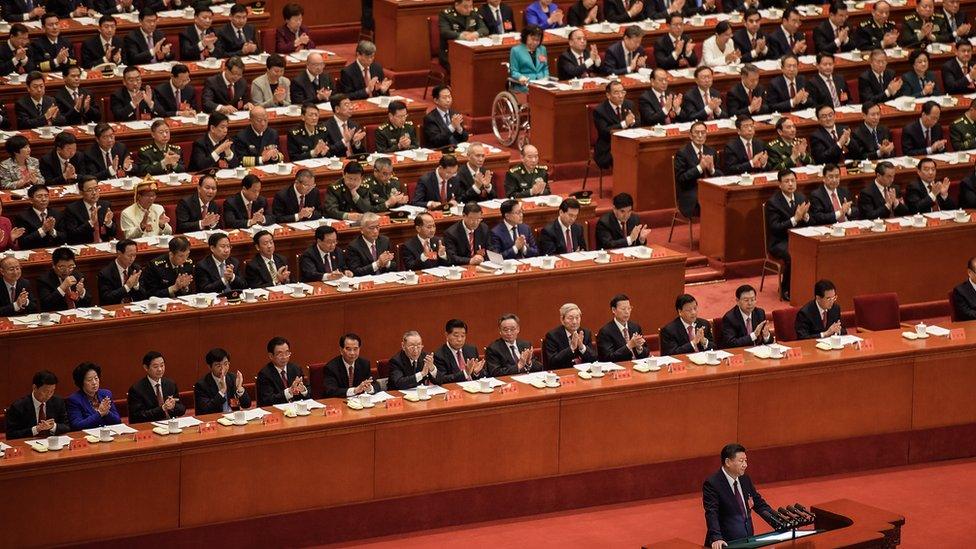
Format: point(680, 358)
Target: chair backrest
point(716, 328)
point(382, 369)
point(590, 231)
point(544, 356)
point(765, 238)
point(952, 306)
point(591, 133)
point(397, 250)
point(371, 136)
point(785, 322)
point(434, 37)
point(267, 38)
point(316, 378)
point(877, 311)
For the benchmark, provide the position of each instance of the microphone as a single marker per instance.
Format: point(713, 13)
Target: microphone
point(792, 519)
point(796, 509)
point(804, 510)
point(775, 521)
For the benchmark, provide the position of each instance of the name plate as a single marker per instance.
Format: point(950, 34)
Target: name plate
point(271, 419)
point(957, 334)
point(78, 444)
point(795, 352)
point(453, 395)
point(395, 403)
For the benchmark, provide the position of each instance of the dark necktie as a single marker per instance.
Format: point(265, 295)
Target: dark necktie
point(284, 379)
point(738, 498)
point(351, 374)
point(240, 35)
point(792, 89)
point(514, 350)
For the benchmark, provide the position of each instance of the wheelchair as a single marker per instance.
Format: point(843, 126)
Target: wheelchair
point(510, 120)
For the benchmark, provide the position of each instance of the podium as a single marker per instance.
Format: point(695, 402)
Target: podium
point(840, 523)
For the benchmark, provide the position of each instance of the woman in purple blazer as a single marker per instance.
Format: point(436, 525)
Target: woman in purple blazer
point(89, 406)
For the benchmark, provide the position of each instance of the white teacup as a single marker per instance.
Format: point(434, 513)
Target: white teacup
point(421, 156)
point(173, 425)
point(454, 273)
point(551, 378)
point(297, 291)
point(335, 164)
point(128, 183)
point(422, 392)
point(284, 169)
point(510, 266)
point(344, 285)
point(45, 318)
point(835, 341)
point(920, 328)
point(54, 442)
point(851, 4)
point(484, 384)
point(95, 314)
point(249, 295)
point(697, 20)
point(878, 225)
point(961, 215)
point(174, 178)
point(188, 13)
point(202, 118)
point(164, 239)
point(775, 352)
point(301, 408)
point(496, 39)
point(745, 179)
point(596, 369)
point(837, 231)
point(152, 305)
point(294, 110)
point(711, 356)
point(548, 262)
point(199, 300)
point(239, 417)
point(918, 220)
point(105, 434)
point(603, 255)
point(774, 117)
point(241, 171)
point(410, 277)
point(45, 131)
point(576, 84)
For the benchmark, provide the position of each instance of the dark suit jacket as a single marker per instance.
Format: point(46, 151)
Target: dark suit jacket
point(778, 43)
point(742, 42)
point(664, 54)
point(165, 99)
point(359, 260)
point(256, 271)
point(7, 54)
point(465, 186)
point(189, 40)
point(913, 141)
point(31, 224)
point(871, 203)
point(29, 117)
point(235, 213)
point(499, 360)
point(206, 277)
point(79, 231)
point(779, 217)
point(964, 301)
point(447, 366)
point(335, 378)
point(334, 138)
point(413, 254)
point(121, 105)
point(615, 59)
point(686, 174)
point(228, 45)
point(67, 107)
point(428, 190)
point(552, 241)
point(809, 325)
point(111, 290)
point(403, 374)
point(736, 160)
point(824, 38)
point(568, 66)
point(822, 210)
point(248, 145)
point(215, 93)
point(693, 105)
point(967, 195)
point(918, 200)
point(652, 112)
point(189, 215)
point(675, 341)
point(201, 159)
point(863, 145)
point(778, 96)
point(558, 355)
point(954, 78)
point(51, 299)
point(738, 101)
point(207, 397)
point(50, 165)
point(734, 333)
point(270, 389)
point(7, 308)
point(723, 515)
point(913, 86)
point(44, 52)
point(144, 407)
point(609, 234)
point(136, 50)
point(311, 267)
point(493, 24)
point(616, 12)
point(302, 88)
point(94, 163)
point(92, 52)
point(824, 148)
point(502, 242)
point(870, 89)
point(436, 132)
point(459, 250)
point(21, 417)
point(820, 95)
point(285, 207)
point(611, 346)
point(606, 120)
point(352, 84)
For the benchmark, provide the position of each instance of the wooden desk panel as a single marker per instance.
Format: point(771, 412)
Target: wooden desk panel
point(942, 391)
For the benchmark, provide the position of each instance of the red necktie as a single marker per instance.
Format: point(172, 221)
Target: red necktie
point(284, 379)
point(351, 376)
point(471, 242)
point(13, 295)
point(95, 225)
point(328, 263)
point(301, 201)
point(461, 363)
point(248, 208)
point(691, 332)
point(41, 414)
point(835, 202)
point(366, 76)
point(569, 241)
point(792, 90)
point(230, 94)
point(749, 150)
point(749, 325)
point(823, 318)
point(738, 498)
point(372, 250)
point(178, 94)
point(443, 190)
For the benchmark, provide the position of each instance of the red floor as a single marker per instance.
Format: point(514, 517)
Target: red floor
point(936, 500)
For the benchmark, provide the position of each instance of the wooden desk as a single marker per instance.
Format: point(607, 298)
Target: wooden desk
point(644, 167)
point(732, 215)
point(594, 433)
point(919, 264)
point(379, 316)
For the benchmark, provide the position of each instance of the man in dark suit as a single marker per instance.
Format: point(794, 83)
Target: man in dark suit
point(964, 295)
point(411, 366)
point(825, 87)
point(924, 136)
point(744, 153)
point(132, 101)
point(620, 227)
point(626, 56)
point(508, 355)
point(88, 219)
point(36, 109)
point(39, 414)
point(498, 17)
point(878, 83)
point(118, 282)
point(323, 260)
point(622, 11)
point(104, 47)
point(787, 38)
point(257, 144)
point(958, 27)
point(220, 391)
point(199, 41)
point(785, 210)
point(882, 199)
point(871, 140)
point(787, 92)
point(750, 40)
point(820, 317)
point(729, 498)
point(443, 127)
point(957, 73)
point(620, 339)
point(456, 360)
point(617, 112)
point(347, 374)
point(146, 44)
point(967, 194)
point(512, 238)
point(198, 211)
point(830, 203)
point(15, 52)
point(747, 97)
point(176, 96)
point(927, 193)
point(280, 380)
point(693, 161)
point(744, 325)
point(62, 164)
point(687, 333)
point(467, 240)
point(214, 149)
point(829, 143)
point(364, 77)
point(369, 253)
point(657, 106)
point(569, 343)
point(344, 136)
point(16, 298)
point(62, 287)
point(299, 202)
point(247, 208)
point(312, 84)
point(266, 268)
point(701, 101)
point(154, 397)
point(564, 234)
point(426, 250)
point(579, 61)
point(77, 104)
point(52, 52)
point(218, 272)
point(474, 182)
point(106, 158)
point(833, 35)
point(237, 36)
point(438, 188)
point(674, 50)
point(40, 223)
point(217, 90)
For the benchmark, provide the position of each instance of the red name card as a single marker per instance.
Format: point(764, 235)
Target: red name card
point(567, 380)
point(426, 278)
point(276, 296)
point(271, 419)
point(523, 268)
point(88, 251)
point(562, 263)
point(395, 403)
point(11, 453)
point(957, 334)
point(332, 411)
point(658, 253)
point(468, 274)
point(454, 394)
point(142, 436)
point(618, 375)
point(78, 444)
point(679, 367)
point(894, 226)
point(617, 258)
point(934, 222)
point(366, 285)
point(867, 345)
point(208, 427)
point(510, 388)
point(318, 290)
point(736, 360)
point(795, 352)
point(68, 319)
point(851, 231)
point(173, 306)
point(123, 313)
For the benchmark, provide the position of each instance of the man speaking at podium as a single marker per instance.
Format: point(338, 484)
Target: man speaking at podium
point(729, 499)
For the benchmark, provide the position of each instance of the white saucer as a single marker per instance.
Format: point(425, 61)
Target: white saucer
point(303, 414)
point(109, 439)
point(240, 423)
point(714, 362)
point(487, 391)
point(552, 385)
point(156, 312)
point(602, 261)
point(175, 431)
point(347, 290)
point(601, 374)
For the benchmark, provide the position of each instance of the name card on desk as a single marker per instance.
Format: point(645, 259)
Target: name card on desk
point(78, 444)
point(867, 345)
point(794, 352)
point(11, 453)
point(87, 251)
point(523, 268)
point(851, 231)
point(658, 253)
point(395, 403)
point(367, 285)
point(332, 411)
point(173, 307)
point(511, 388)
point(618, 375)
point(208, 427)
point(566, 381)
point(276, 296)
point(453, 395)
point(676, 367)
point(618, 258)
point(142, 436)
point(893, 226)
point(6, 325)
point(318, 290)
point(122, 313)
point(271, 419)
point(67, 319)
point(562, 263)
point(468, 274)
point(957, 334)
point(736, 360)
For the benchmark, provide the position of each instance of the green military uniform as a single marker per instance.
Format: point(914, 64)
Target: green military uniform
point(870, 34)
point(339, 202)
point(382, 191)
point(301, 142)
point(150, 160)
point(911, 31)
point(519, 180)
point(781, 156)
point(160, 274)
point(388, 135)
point(452, 24)
point(962, 134)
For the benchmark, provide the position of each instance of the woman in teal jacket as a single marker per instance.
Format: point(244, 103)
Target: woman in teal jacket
point(528, 60)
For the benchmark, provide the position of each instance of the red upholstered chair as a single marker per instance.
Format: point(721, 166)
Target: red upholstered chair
point(316, 377)
point(170, 210)
point(371, 136)
point(591, 137)
point(770, 263)
point(11, 114)
point(382, 369)
point(590, 232)
point(877, 311)
point(952, 307)
point(716, 328)
point(896, 139)
point(267, 39)
point(436, 73)
point(784, 321)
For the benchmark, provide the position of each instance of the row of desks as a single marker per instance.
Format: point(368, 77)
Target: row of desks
point(897, 390)
point(379, 315)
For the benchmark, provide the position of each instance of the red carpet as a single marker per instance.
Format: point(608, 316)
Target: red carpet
point(936, 500)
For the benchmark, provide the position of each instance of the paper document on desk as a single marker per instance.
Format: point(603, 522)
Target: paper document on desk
point(944, 215)
point(702, 357)
point(937, 331)
point(531, 378)
point(845, 340)
point(437, 271)
point(635, 133)
point(811, 231)
point(432, 390)
point(312, 404)
point(413, 211)
point(765, 349)
point(533, 261)
point(476, 383)
point(663, 360)
point(581, 256)
point(250, 415)
point(120, 429)
point(21, 255)
point(184, 422)
point(3, 448)
point(606, 366)
point(42, 443)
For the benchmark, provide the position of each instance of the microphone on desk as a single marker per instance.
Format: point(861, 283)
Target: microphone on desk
point(804, 510)
point(807, 517)
point(794, 520)
point(774, 520)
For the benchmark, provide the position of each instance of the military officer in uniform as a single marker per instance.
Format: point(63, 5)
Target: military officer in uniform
point(962, 131)
point(923, 27)
point(310, 140)
point(159, 157)
point(171, 274)
point(461, 22)
point(386, 186)
point(876, 32)
point(787, 151)
point(257, 144)
point(349, 198)
point(399, 133)
point(527, 178)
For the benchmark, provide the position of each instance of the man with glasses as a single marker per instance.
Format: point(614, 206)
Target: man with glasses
point(281, 380)
point(821, 316)
point(512, 238)
point(62, 288)
point(412, 366)
point(89, 220)
point(220, 391)
point(509, 355)
point(370, 252)
point(312, 84)
point(964, 295)
point(693, 161)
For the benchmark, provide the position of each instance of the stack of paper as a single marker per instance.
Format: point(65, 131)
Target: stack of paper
point(184, 422)
point(846, 340)
point(311, 404)
point(41, 444)
point(605, 366)
point(531, 378)
point(250, 415)
point(432, 390)
point(120, 429)
point(581, 256)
